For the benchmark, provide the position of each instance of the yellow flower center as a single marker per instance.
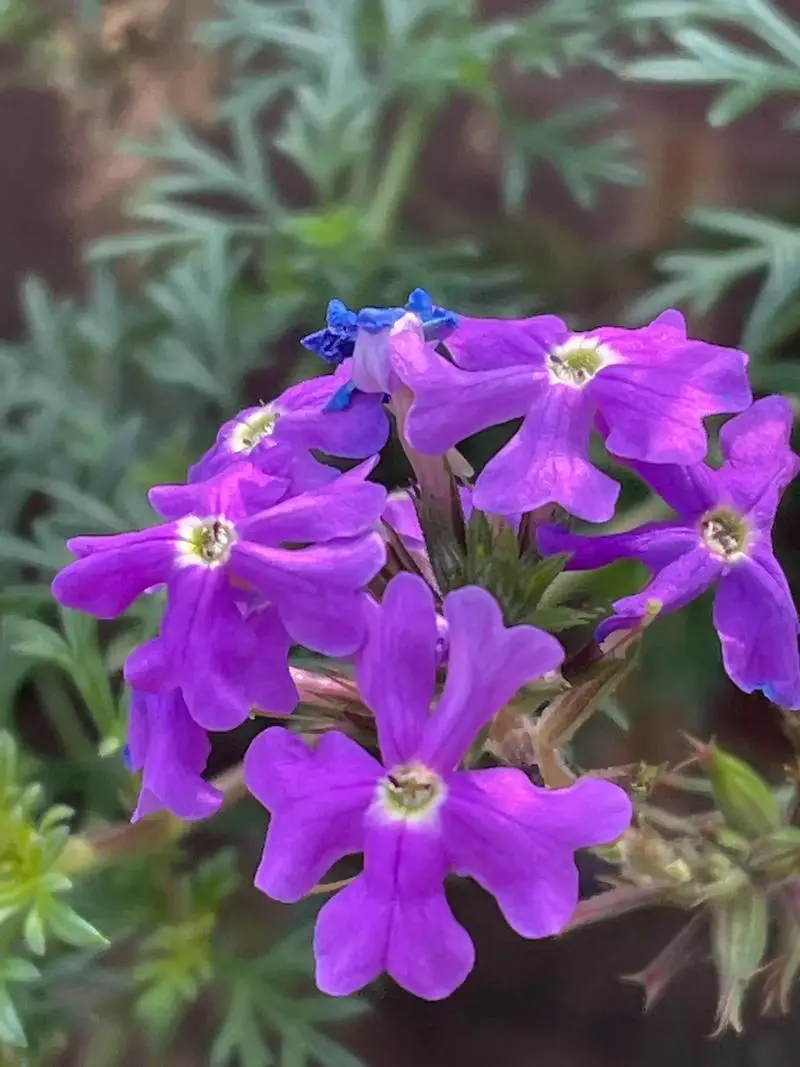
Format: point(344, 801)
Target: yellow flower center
point(207, 540)
point(254, 428)
point(578, 360)
point(724, 532)
point(410, 792)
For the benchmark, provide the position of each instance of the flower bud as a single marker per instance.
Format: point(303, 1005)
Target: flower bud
point(739, 932)
point(742, 796)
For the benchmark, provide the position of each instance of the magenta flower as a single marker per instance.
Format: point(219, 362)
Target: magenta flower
point(171, 750)
point(722, 537)
point(225, 649)
point(276, 437)
point(418, 817)
point(648, 390)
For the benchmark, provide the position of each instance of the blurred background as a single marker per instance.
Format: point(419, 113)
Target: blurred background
point(184, 184)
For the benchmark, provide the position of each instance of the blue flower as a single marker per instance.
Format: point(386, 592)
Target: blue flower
point(336, 341)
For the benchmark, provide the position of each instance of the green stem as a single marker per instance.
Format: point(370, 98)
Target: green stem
point(391, 187)
point(65, 720)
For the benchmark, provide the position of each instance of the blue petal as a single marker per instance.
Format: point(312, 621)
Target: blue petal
point(420, 302)
point(126, 757)
point(340, 317)
point(336, 341)
point(340, 400)
point(437, 322)
point(373, 320)
point(440, 325)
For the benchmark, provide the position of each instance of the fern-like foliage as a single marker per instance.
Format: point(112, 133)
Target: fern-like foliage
point(746, 50)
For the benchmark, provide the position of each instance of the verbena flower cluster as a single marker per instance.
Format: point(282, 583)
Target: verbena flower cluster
point(266, 547)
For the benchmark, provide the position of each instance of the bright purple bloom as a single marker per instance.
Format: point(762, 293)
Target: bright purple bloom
point(417, 817)
point(723, 538)
point(364, 336)
point(648, 390)
point(171, 750)
point(276, 437)
point(222, 645)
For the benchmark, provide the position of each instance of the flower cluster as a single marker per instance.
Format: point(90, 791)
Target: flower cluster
point(266, 546)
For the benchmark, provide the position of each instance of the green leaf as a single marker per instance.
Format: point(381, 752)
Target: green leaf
point(557, 619)
point(29, 637)
point(33, 932)
point(15, 969)
point(69, 927)
point(11, 1032)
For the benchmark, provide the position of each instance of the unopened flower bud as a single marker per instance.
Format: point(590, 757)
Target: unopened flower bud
point(741, 795)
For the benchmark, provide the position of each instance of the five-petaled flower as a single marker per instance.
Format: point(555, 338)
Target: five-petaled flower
point(418, 817)
point(722, 537)
point(237, 597)
point(277, 437)
point(646, 390)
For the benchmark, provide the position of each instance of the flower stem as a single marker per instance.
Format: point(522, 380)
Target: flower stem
point(391, 187)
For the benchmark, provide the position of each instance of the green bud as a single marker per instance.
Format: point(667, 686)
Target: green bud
point(739, 932)
point(741, 795)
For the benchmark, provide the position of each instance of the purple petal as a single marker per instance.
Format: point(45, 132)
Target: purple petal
point(756, 620)
point(318, 799)
point(147, 668)
point(547, 462)
point(371, 370)
point(451, 404)
point(676, 585)
point(224, 494)
point(517, 840)
point(359, 430)
point(656, 544)
point(172, 751)
point(88, 546)
point(346, 507)
point(655, 399)
point(688, 490)
point(487, 344)
point(317, 590)
point(401, 514)
point(106, 583)
point(394, 917)
point(488, 662)
point(225, 664)
point(759, 462)
point(396, 669)
point(225, 453)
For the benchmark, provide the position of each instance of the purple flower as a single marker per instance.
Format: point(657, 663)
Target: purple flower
point(171, 750)
point(276, 437)
point(648, 390)
point(364, 336)
point(417, 817)
point(225, 648)
point(723, 538)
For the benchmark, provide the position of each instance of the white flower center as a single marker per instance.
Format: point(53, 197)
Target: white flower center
point(725, 533)
point(247, 433)
point(578, 360)
point(206, 541)
point(410, 792)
